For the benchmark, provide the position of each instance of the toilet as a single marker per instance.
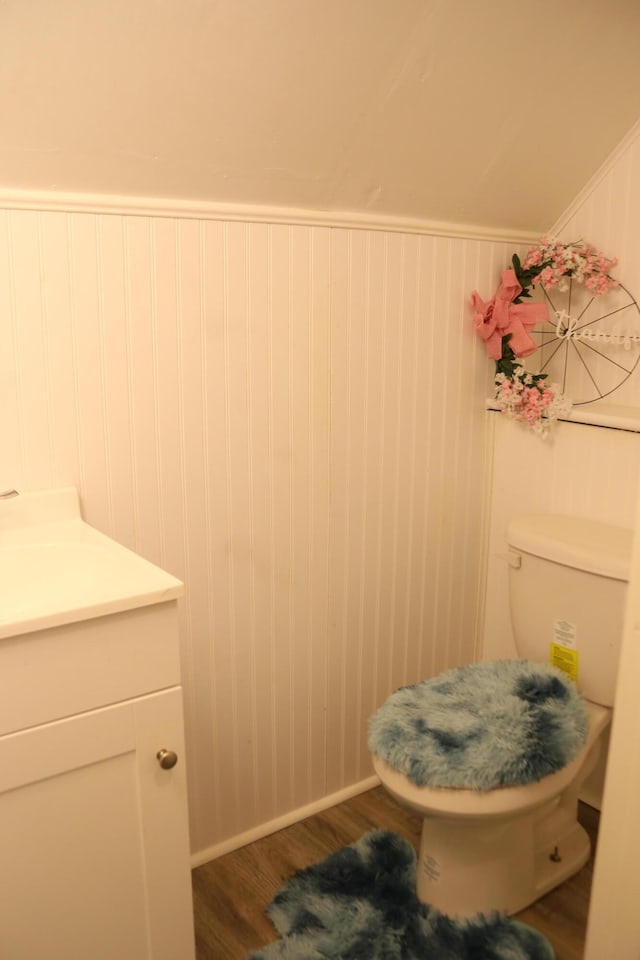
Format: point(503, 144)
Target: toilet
point(503, 848)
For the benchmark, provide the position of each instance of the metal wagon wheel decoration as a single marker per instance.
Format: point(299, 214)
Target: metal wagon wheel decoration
point(590, 345)
point(578, 328)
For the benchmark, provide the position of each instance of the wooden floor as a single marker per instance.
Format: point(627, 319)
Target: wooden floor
point(231, 893)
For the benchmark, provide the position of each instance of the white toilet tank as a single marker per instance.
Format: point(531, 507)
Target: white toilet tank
point(567, 591)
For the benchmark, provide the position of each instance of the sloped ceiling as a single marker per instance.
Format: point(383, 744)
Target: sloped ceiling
point(488, 113)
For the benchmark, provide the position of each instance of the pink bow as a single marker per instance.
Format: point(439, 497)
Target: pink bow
point(497, 317)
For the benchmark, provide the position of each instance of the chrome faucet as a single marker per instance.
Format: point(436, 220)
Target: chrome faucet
point(6, 494)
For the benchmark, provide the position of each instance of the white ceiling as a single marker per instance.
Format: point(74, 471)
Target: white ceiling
point(488, 113)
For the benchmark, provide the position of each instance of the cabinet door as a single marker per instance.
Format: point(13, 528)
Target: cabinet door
point(94, 858)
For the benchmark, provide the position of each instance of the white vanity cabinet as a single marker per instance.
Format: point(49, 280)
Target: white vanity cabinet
point(94, 848)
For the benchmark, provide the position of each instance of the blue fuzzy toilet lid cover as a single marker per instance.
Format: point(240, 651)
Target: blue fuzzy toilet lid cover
point(499, 724)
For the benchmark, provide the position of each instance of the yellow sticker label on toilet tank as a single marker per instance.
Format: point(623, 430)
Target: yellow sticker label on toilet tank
point(565, 659)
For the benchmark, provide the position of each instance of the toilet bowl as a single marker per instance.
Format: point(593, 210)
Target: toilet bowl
point(499, 849)
point(503, 848)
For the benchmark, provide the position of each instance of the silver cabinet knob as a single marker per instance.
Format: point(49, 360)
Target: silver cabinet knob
point(167, 759)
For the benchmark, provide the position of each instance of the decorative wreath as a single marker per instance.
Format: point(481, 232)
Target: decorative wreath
point(505, 322)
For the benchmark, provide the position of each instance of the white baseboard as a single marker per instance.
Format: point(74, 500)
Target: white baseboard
point(286, 820)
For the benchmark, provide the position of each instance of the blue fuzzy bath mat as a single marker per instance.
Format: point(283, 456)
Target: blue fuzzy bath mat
point(360, 904)
point(498, 724)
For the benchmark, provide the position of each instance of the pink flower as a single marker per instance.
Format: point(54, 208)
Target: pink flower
point(547, 278)
point(528, 401)
point(580, 261)
point(534, 257)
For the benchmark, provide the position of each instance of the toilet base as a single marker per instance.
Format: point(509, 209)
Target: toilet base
point(466, 868)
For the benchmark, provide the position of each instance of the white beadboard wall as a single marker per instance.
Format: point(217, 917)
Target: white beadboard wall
point(288, 418)
point(582, 470)
point(607, 214)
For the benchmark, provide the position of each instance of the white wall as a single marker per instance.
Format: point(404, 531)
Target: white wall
point(616, 886)
point(291, 420)
point(609, 210)
point(581, 470)
point(288, 418)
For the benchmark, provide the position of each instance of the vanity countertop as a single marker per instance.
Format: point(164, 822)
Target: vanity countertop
point(56, 569)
